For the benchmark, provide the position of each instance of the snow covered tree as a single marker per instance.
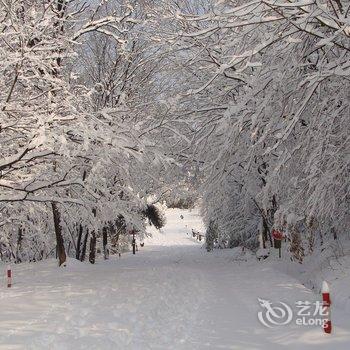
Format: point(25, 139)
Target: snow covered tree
point(269, 97)
point(76, 153)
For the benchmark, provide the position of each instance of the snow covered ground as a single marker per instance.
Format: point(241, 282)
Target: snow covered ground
point(171, 295)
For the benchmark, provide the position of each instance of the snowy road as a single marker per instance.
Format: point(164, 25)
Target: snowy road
point(171, 295)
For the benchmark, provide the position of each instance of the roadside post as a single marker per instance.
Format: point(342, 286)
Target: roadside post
point(9, 276)
point(327, 326)
point(277, 241)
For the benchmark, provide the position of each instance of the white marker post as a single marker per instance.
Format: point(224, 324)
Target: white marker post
point(9, 276)
point(327, 327)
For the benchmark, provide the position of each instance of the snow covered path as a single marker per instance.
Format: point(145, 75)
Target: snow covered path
point(171, 295)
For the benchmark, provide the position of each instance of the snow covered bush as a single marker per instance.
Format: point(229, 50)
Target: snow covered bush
point(211, 236)
point(155, 215)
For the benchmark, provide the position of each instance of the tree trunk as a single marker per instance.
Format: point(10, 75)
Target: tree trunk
point(19, 245)
point(334, 232)
point(83, 251)
point(59, 238)
point(105, 242)
point(80, 235)
point(266, 233)
point(92, 255)
point(263, 234)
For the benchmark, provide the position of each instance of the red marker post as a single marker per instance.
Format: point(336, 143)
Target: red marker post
point(9, 276)
point(277, 241)
point(327, 326)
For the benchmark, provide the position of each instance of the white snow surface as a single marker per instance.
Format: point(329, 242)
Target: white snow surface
point(171, 295)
